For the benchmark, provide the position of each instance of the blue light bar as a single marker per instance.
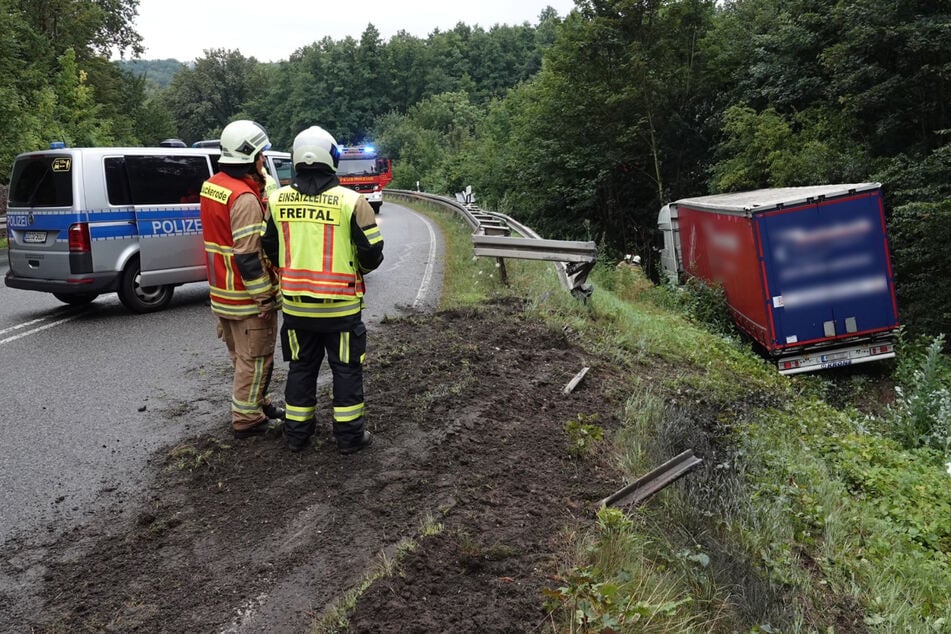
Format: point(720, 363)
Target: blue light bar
point(57, 145)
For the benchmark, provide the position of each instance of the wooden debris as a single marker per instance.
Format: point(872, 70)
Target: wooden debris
point(575, 381)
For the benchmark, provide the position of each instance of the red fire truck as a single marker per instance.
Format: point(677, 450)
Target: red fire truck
point(364, 171)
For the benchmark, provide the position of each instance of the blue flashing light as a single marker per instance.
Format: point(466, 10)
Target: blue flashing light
point(57, 145)
point(368, 149)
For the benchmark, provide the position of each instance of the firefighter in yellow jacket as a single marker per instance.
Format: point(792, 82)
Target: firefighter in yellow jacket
point(243, 291)
point(323, 239)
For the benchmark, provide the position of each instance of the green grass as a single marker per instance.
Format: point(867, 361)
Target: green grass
point(803, 517)
point(3, 243)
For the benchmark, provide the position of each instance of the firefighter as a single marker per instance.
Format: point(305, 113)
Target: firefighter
point(244, 290)
point(324, 239)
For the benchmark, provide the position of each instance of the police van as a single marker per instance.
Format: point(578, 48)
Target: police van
point(86, 221)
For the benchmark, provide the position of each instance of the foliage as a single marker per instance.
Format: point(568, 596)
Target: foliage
point(906, 488)
point(205, 98)
point(158, 73)
point(583, 434)
point(347, 86)
point(767, 149)
point(920, 233)
point(431, 131)
point(605, 597)
point(922, 415)
point(55, 80)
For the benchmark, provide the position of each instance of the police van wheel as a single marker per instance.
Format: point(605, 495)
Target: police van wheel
point(76, 300)
point(138, 298)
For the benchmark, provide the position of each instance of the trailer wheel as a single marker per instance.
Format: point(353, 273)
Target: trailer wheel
point(76, 300)
point(138, 298)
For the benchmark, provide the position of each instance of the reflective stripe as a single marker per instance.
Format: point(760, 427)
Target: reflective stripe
point(230, 277)
point(220, 249)
point(348, 413)
point(258, 286)
point(299, 414)
point(228, 294)
point(329, 247)
point(234, 310)
point(344, 351)
point(373, 234)
point(294, 344)
point(322, 276)
point(298, 308)
point(243, 407)
point(244, 232)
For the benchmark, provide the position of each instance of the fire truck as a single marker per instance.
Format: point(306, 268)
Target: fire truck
point(363, 170)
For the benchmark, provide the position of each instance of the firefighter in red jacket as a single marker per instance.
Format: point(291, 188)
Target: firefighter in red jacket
point(323, 238)
point(243, 290)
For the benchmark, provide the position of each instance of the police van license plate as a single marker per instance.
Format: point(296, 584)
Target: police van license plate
point(33, 237)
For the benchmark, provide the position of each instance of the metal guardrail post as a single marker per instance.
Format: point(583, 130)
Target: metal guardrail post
point(644, 487)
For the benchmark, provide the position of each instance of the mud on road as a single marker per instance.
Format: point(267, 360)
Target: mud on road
point(466, 498)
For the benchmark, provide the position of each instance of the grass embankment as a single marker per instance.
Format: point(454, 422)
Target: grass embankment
point(803, 516)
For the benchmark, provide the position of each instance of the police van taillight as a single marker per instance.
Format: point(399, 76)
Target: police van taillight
point(79, 238)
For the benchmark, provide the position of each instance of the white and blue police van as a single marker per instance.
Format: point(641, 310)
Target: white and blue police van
point(82, 222)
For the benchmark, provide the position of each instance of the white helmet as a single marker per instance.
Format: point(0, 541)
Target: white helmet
point(315, 145)
point(636, 259)
point(241, 141)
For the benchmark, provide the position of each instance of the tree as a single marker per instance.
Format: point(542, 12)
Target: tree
point(89, 27)
point(205, 98)
point(606, 129)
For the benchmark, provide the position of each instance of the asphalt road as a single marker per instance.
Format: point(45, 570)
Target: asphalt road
point(89, 394)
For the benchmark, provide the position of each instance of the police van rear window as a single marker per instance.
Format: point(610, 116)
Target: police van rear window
point(42, 181)
point(155, 180)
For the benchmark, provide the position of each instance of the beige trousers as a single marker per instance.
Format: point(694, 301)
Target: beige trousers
point(250, 344)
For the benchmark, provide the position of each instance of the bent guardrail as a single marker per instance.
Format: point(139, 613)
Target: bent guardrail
point(492, 238)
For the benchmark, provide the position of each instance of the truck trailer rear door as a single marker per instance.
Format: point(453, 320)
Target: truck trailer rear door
point(827, 269)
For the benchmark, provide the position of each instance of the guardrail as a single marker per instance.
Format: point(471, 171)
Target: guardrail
point(640, 490)
point(3, 226)
point(438, 200)
point(492, 238)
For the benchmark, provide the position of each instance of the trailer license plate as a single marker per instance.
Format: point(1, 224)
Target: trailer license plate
point(34, 237)
point(834, 357)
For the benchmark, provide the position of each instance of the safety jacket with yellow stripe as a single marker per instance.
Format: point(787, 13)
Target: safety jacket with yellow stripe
point(318, 255)
point(232, 222)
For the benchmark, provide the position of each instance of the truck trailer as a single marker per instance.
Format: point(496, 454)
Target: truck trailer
point(805, 270)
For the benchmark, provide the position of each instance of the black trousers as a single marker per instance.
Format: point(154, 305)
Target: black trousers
point(304, 343)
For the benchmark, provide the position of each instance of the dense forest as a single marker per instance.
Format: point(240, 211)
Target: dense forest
point(581, 126)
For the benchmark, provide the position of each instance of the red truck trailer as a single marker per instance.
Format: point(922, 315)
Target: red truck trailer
point(805, 270)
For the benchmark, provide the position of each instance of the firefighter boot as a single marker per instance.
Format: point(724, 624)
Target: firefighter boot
point(298, 435)
point(351, 437)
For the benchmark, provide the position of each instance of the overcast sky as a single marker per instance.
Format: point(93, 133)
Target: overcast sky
point(272, 31)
